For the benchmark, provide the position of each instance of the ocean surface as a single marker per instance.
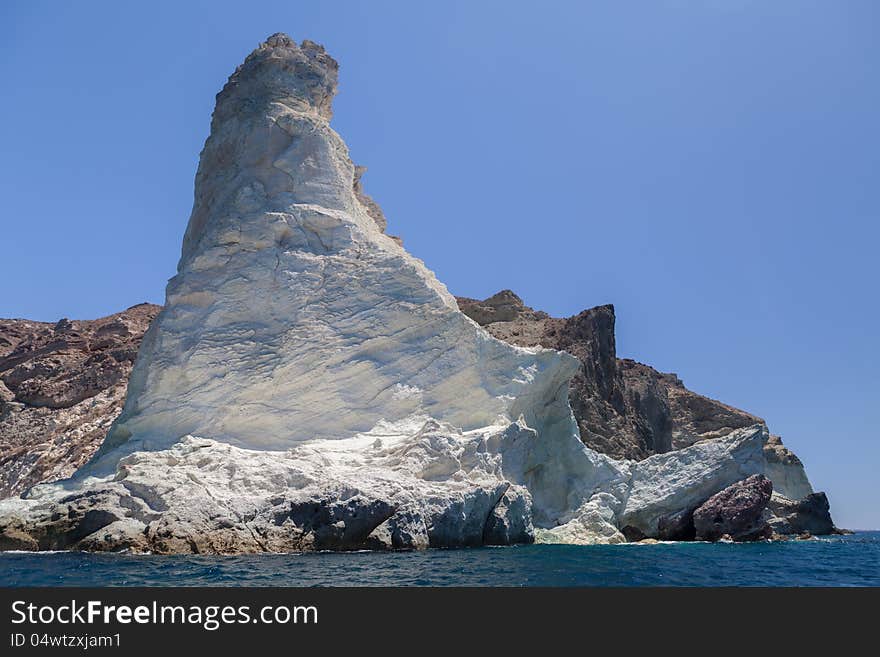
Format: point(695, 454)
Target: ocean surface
point(833, 561)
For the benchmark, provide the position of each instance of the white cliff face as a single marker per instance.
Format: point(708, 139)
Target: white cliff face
point(311, 385)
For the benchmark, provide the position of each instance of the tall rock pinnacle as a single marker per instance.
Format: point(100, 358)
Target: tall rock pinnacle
point(292, 316)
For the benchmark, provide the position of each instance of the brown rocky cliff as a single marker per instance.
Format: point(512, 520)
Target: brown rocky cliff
point(61, 386)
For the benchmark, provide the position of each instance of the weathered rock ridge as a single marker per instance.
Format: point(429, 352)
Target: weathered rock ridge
point(311, 385)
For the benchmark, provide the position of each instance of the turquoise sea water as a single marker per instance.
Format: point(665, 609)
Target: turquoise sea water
point(833, 561)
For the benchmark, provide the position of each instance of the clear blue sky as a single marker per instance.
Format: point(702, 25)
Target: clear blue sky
point(711, 168)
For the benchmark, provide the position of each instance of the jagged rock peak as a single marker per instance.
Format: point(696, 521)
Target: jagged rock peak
point(503, 306)
point(302, 77)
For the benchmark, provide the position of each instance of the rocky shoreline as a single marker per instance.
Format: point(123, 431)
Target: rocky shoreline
point(202, 497)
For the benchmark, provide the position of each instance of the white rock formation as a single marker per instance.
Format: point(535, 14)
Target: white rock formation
point(292, 316)
point(309, 384)
point(397, 486)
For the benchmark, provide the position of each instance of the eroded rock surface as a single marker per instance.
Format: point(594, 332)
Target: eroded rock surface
point(61, 386)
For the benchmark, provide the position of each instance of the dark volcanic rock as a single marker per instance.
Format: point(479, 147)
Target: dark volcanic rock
point(504, 306)
point(811, 514)
point(623, 408)
point(624, 422)
point(61, 386)
point(737, 511)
